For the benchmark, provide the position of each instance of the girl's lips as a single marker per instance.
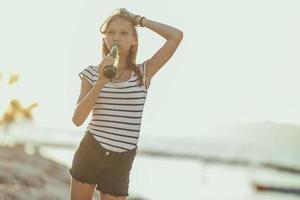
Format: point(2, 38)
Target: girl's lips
point(118, 46)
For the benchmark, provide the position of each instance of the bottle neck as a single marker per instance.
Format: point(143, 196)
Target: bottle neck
point(114, 52)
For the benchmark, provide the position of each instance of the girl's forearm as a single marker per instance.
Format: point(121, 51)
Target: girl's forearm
point(166, 31)
point(87, 103)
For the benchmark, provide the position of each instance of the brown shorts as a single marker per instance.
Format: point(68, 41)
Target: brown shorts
point(93, 164)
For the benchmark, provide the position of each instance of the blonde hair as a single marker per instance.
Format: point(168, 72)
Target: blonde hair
point(131, 58)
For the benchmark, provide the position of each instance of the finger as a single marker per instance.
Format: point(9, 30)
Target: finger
point(108, 57)
point(109, 60)
point(107, 63)
point(104, 62)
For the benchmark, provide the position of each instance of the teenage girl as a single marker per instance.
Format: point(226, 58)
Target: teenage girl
point(106, 152)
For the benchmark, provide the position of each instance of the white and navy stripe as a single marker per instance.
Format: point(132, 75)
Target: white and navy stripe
point(117, 113)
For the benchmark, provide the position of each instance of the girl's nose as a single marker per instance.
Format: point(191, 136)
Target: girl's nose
point(116, 38)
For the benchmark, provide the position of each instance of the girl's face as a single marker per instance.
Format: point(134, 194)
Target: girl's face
point(121, 31)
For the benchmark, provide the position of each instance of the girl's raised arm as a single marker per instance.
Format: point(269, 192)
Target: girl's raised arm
point(172, 35)
point(173, 38)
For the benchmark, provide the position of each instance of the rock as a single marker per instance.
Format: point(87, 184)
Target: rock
point(24, 176)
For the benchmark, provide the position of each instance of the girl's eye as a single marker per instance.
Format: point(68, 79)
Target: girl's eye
point(110, 32)
point(124, 33)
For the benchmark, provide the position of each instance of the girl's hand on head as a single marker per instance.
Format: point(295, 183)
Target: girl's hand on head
point(107, 60)
point(128, 15)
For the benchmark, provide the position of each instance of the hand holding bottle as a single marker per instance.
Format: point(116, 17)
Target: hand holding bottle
point(107, 61)
point(110, 71)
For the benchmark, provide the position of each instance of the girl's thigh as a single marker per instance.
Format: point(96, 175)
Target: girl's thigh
point(81, 190)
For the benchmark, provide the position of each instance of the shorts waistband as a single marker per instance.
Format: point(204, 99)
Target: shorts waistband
point(96, 144)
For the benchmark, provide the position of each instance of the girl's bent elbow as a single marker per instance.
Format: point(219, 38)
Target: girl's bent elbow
point(179, 35)
point(76, 122)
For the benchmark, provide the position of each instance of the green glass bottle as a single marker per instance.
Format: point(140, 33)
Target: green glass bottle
point(110, 71)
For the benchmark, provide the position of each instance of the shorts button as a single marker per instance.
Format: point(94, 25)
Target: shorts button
point(107, 153)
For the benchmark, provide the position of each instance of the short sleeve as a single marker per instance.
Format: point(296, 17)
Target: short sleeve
point(89, 73)
point(143, 70)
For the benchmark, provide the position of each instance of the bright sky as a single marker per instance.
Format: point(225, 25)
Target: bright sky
point(238, 61)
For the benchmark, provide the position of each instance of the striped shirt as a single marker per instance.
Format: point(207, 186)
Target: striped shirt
point(117, 113)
